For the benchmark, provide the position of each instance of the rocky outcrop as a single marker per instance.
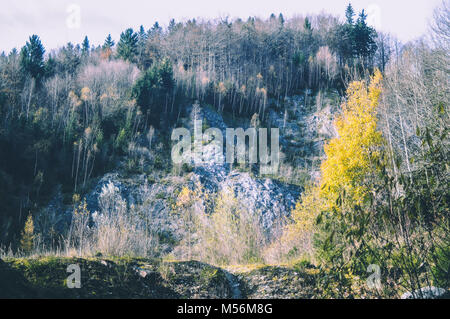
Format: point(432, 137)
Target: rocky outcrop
point(427, 293)
point(302, 134)
point(270, 198)
point(276, 282)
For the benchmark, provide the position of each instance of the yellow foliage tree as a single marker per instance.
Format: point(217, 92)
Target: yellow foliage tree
point(27, 240)
point(351, 155)
point(297, 238)
point(348, 167)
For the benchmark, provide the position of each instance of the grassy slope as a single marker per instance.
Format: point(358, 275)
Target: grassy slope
point(143, 278)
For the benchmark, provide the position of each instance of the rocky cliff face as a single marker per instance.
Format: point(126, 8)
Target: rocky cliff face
point(303, 131)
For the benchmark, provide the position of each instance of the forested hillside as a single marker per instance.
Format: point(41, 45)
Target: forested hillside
point(85, 149)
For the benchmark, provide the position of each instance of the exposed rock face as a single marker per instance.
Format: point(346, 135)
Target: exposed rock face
point(269, 198)
point(269, 282)
point(302, 134)
point(304, 131)
point(272, 199)
point(427, 293)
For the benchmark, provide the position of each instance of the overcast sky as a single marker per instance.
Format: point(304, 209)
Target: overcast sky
point(60, 21)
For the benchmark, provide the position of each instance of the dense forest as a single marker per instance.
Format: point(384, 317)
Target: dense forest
point(73, 114)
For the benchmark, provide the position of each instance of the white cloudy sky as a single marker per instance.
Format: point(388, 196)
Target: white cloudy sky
point(48, 18)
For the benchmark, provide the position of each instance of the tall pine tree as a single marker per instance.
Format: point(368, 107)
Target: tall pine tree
point(32, 57)
point(85, 47)
point(364, 40)
point(349, 14)
point(127, 48)
point(109, 42)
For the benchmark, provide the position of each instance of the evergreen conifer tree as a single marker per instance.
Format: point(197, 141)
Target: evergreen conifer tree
point(127, 48)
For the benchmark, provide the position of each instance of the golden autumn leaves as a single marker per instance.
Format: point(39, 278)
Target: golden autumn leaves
point(349, 160)
point(351, 155)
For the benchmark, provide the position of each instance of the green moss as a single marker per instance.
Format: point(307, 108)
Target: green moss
point(167, 271)
point(208, 275)
point(160, 196)
point(166, 237)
